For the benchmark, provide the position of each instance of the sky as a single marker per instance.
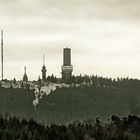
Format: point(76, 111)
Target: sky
point(103, 36)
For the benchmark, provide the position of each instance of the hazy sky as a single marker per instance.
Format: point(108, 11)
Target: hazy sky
point(104, 36)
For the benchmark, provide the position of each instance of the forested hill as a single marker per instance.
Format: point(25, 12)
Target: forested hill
point(66, 105)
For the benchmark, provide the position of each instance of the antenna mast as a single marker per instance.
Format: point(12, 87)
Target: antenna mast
point(44, 60)
point(25, 69)
point(1, 54)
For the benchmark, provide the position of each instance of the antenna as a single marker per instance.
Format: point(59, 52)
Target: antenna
point(25, 69)
point(1, 54)
point(43, 59)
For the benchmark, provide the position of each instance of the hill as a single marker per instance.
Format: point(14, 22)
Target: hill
point(66, 105)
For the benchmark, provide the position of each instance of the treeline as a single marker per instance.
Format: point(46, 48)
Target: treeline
point(99, 81)
point(127, 128)
point(85, 80)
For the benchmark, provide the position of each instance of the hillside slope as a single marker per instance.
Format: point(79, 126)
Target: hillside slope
point(69, 104)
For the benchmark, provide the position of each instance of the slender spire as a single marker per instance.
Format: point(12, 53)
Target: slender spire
point(25, 69)
point(1, 37)
point(43, 69)
point(25, 77)
point(1, 54)
point(43, 59)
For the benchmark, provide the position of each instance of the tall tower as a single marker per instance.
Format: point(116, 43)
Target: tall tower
point(43, 69)
point(67, 68)
point(25, 77)
point(1, 54)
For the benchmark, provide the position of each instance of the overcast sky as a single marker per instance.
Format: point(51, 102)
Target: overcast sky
point(104, 36)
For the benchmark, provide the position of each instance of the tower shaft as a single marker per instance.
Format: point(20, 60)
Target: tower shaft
point(2, 55)
point(67, 68)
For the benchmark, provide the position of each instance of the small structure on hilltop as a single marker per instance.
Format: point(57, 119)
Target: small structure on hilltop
point(25, 77)
point(67, 68)
point(43, 70)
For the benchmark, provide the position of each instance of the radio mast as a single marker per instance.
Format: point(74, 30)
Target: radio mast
point(1, 54)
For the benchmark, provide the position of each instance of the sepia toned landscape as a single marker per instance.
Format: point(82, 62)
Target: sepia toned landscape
point(69, 70)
